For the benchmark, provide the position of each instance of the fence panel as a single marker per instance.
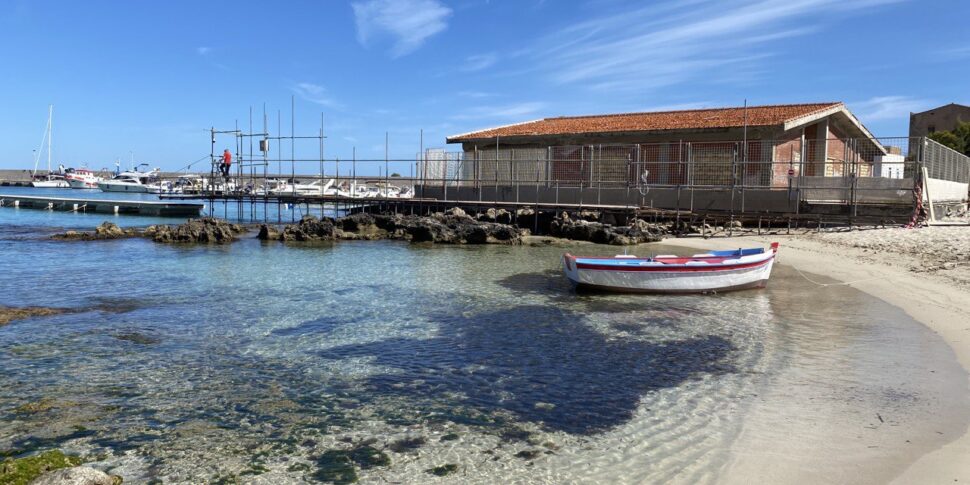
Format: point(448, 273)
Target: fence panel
point(846, 170)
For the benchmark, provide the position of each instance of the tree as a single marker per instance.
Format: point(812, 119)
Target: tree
point(949, 139)
point(958, 139)
point(962, 132)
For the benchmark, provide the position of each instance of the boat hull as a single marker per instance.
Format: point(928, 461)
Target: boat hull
point(131, 188)
point(81, 184)
point(585, 274)
point(50, 184)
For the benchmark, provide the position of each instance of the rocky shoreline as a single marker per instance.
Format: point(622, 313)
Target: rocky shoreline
point(454, 226)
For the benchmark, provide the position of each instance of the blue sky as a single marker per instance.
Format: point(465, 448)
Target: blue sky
point(150, 77)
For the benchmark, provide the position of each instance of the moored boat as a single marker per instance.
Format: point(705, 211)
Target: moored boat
point(716, 271)
point(132, 181)
point(81, 178)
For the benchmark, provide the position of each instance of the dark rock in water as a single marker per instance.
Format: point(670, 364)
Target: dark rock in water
point(138, 338)
point(367, 457)
point(357, 222)
point(360, 226)
point(455, 211)
point(528, 454)
point(443, 470)
point(9, 314)
point(44, 404)
point(407, 444)
point(107, 230)
point(530, 219)
point(205, 230)
point(80, 475)
point(428, 230)
point(268, 233)
point(335, 466)
point(449, 437)
point(451, 227)
point(638, 231)
point(500, 216)
point(309, 229)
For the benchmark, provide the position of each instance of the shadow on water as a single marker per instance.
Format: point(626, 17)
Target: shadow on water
point(316, 326)
point(553, 285)
point(543, 364)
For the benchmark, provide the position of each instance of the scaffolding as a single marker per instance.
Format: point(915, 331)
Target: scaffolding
point(733, 178)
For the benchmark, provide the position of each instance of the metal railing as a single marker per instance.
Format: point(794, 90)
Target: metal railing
point(770, 164)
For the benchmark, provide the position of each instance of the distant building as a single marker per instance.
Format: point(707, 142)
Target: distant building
point(943, 118)
point(818, 139)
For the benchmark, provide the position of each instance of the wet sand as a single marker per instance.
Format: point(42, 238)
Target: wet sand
point(932, 298)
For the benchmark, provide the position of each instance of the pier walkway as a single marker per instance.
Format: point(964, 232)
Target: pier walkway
point(109, 206)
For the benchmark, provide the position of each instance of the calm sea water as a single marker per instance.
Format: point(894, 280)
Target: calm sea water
point(253, 362)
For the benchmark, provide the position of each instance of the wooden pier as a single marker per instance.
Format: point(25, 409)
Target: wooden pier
point(106, 206)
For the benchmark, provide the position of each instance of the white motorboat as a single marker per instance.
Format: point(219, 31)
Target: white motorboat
point(133, 181)
point(295, 188)
point(716, 271)
point(81, 178)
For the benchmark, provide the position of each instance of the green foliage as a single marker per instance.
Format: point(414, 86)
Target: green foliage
point(958, 139)
point(949, 139)
point(962, 131)
point(22, 470)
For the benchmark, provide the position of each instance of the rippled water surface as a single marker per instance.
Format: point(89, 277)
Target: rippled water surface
point(262, 363)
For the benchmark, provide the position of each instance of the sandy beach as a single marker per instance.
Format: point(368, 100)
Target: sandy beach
point(924, 273)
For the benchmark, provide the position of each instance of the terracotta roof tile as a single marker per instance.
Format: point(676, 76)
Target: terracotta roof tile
point(654, 121)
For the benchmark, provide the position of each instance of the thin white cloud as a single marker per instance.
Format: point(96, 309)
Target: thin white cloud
point(203, 51)
point(479, 62)
point(669, 43)
point(407, 22)
point(952, 54)
point(314, 93)
point(881, 108)
point(678, 106)
point(509, 111)
point(476, 94)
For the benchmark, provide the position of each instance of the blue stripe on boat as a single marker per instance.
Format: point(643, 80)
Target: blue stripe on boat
point(738, 252)
point(613, 262)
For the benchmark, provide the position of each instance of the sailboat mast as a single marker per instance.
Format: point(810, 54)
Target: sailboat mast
point(50, 136)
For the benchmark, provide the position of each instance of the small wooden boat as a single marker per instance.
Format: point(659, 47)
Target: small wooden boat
point(716, 271)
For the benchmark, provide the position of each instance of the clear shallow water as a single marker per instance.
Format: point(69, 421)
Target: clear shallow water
point(251, 361)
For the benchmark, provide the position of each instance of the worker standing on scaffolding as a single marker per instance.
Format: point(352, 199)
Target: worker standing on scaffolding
point(226, 163)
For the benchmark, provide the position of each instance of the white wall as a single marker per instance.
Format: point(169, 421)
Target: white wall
point(945, 190)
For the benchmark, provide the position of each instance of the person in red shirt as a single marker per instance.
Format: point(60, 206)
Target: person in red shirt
point(226, 163)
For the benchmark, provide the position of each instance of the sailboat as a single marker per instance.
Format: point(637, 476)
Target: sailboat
point(51, 180)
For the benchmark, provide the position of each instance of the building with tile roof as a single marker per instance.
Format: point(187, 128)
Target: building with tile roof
point(816, 139)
